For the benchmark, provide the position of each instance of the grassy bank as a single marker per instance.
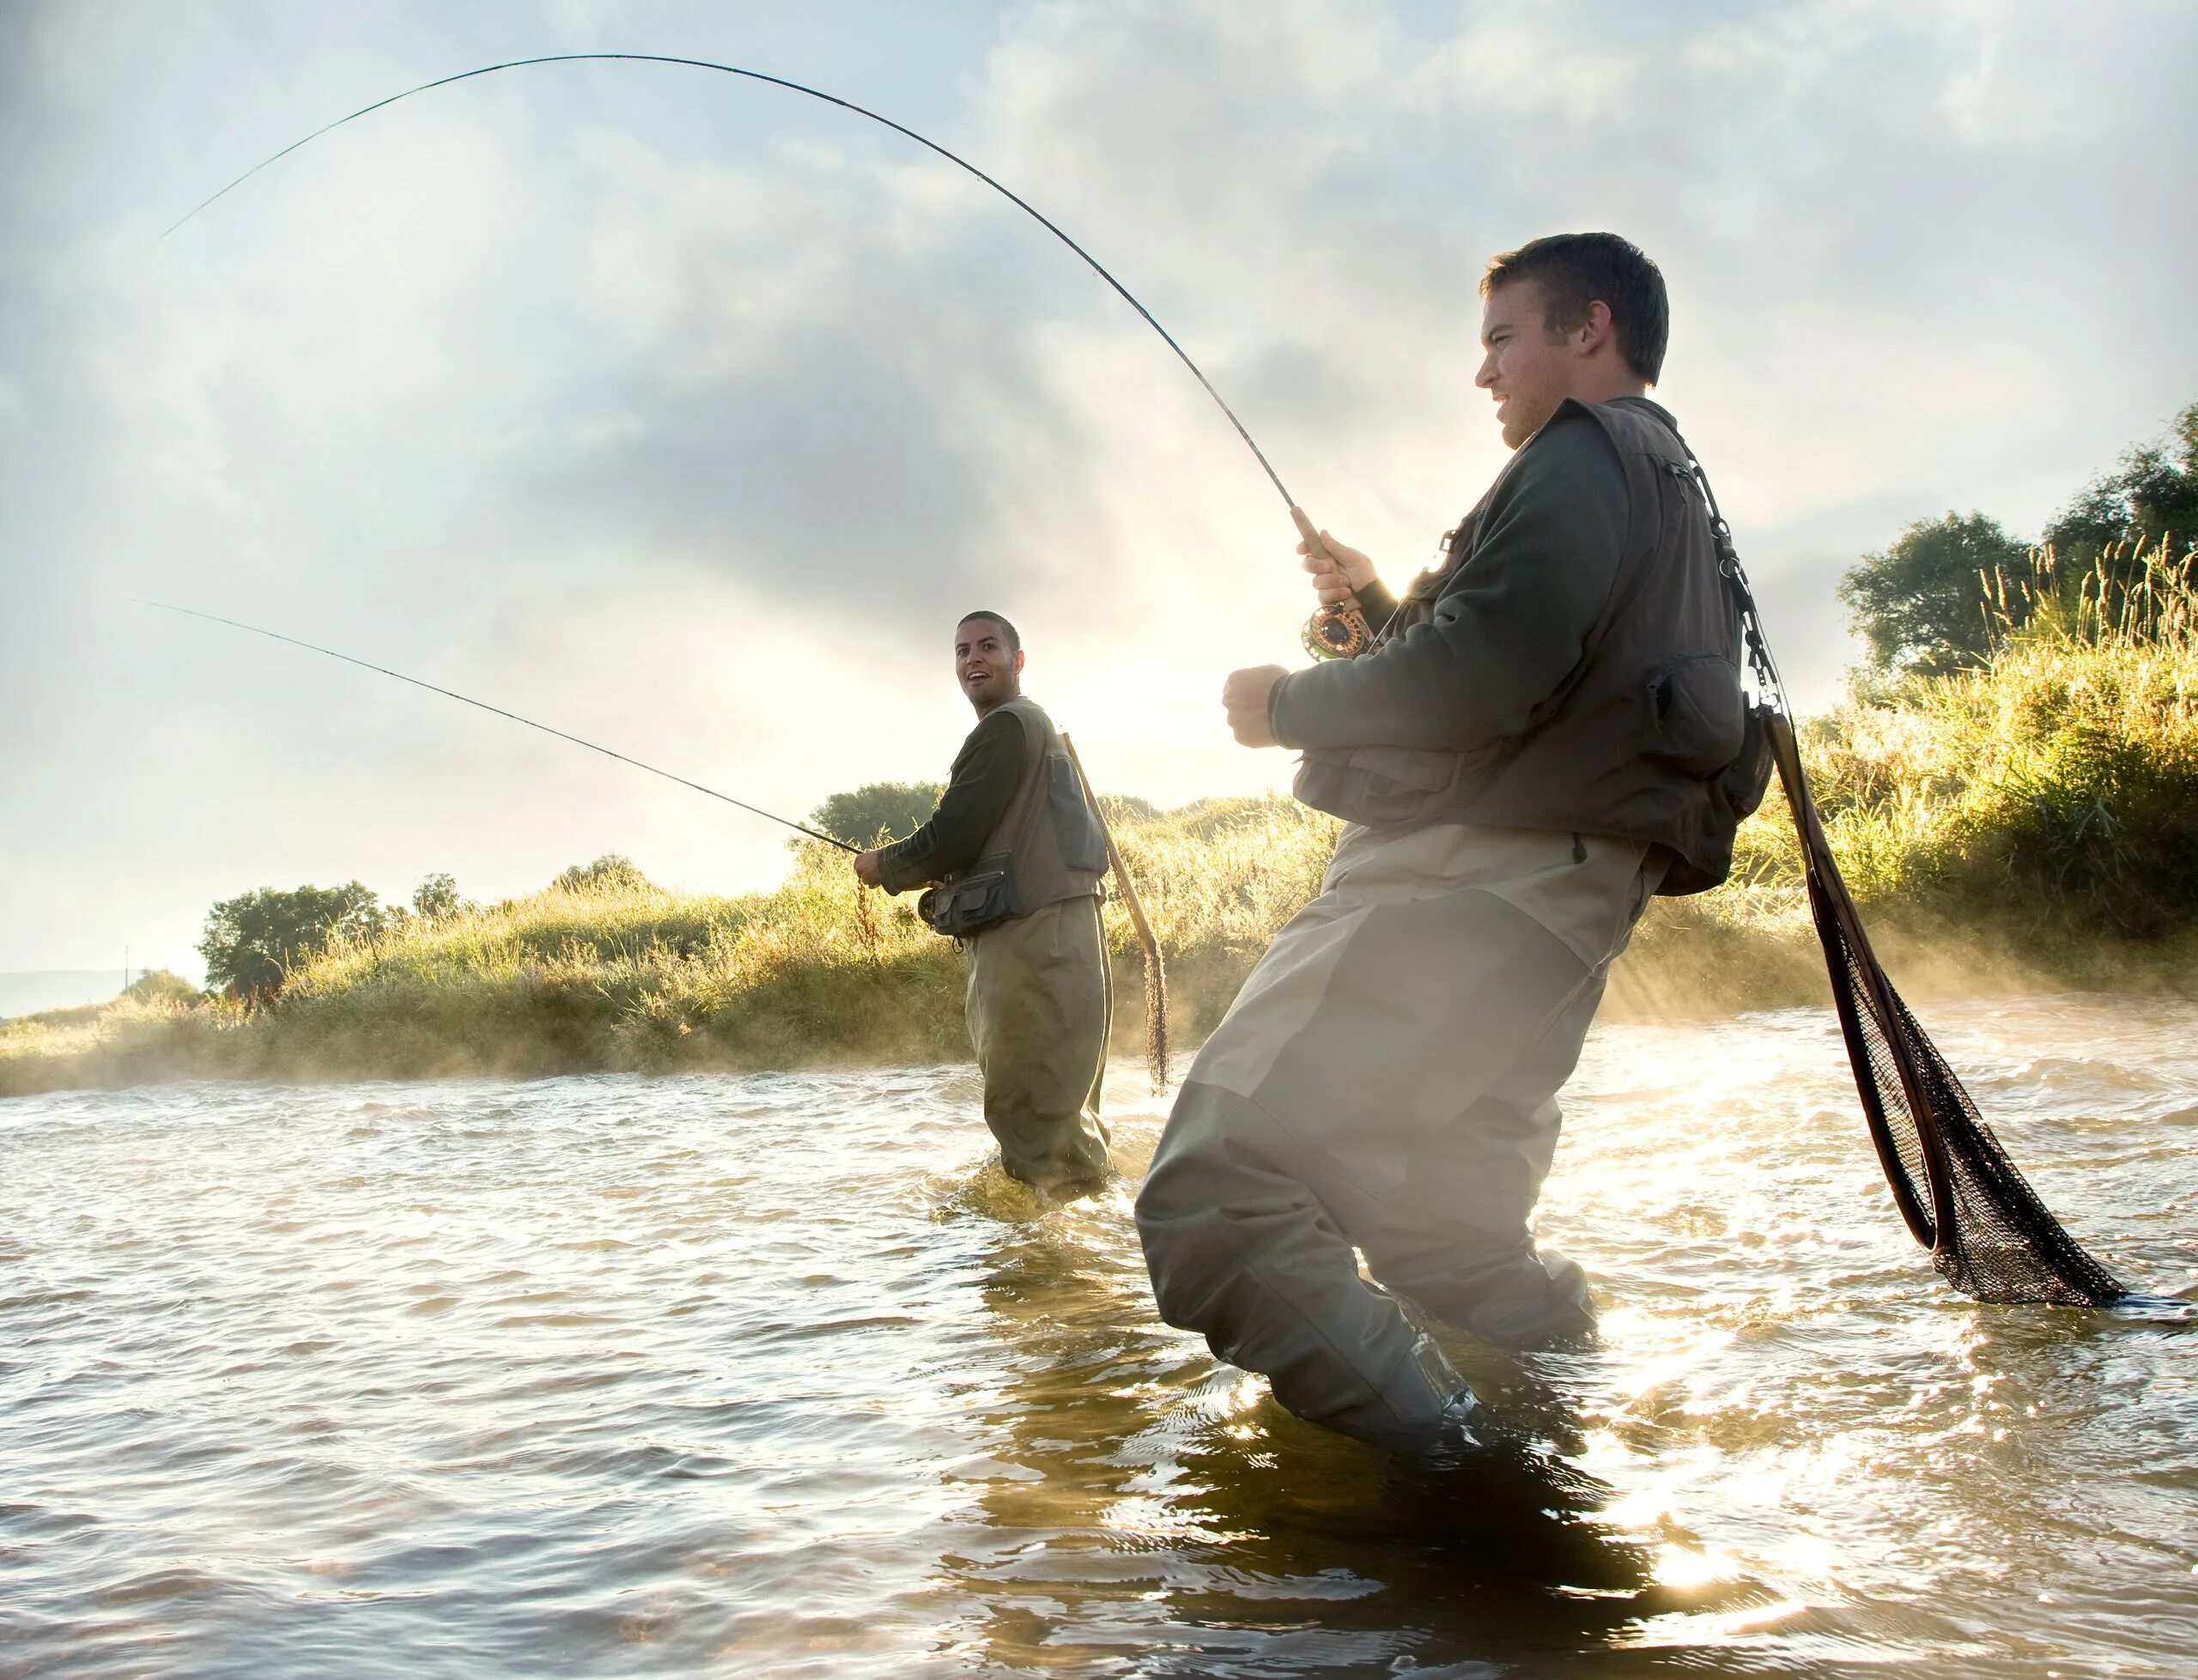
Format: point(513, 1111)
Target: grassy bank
point(635, 977)
point(2032, 823)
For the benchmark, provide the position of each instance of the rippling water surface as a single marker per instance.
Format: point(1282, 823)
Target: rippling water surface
point(763, 1375)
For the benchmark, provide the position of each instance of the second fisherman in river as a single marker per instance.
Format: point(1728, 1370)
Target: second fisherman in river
point(1017, 855)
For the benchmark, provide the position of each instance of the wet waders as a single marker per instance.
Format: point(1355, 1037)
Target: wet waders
point(1040, 1004)
point(1385, 1083)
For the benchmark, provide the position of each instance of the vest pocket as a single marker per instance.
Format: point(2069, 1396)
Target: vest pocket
point(1696, 717)
point(1076, 825)
point(1378, 786)
point(974, 901)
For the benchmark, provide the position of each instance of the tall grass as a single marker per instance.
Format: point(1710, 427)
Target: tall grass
point(2053, 789)
point(2035, 821)
point(635, 977)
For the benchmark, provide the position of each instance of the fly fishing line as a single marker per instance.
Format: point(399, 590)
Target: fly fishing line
point(1332, 633)
point(453, 694)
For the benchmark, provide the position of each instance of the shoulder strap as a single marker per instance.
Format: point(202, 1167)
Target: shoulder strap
point(1763, 667)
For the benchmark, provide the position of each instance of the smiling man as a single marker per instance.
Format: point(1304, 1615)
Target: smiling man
point(1544, 736)
point(1017, 855)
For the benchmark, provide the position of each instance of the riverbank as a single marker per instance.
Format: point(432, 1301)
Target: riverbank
point(2030, 825)
point(654, 981)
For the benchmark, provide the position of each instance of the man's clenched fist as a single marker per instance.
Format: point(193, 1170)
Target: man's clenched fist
point(1245, 697)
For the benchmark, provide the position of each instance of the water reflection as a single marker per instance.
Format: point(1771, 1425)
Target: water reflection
point(1144, 1507)
point(759, 1376)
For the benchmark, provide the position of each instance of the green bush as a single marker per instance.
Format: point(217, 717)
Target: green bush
point(2054, 787)
point(162, 985)
point(892, 810)
point(2150, 499)
point(252, 941)
point(436, 899)
point(613, 872)
point(1925, 604)
point(1946, 592)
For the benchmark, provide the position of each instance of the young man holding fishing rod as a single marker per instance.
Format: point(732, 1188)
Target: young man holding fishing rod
point(1018, 854)
point(1526, 754)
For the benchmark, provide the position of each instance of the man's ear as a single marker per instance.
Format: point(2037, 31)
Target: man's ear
point(1596, 331)
point(1018, 662)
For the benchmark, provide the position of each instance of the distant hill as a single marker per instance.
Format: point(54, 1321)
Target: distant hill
point(33, 990)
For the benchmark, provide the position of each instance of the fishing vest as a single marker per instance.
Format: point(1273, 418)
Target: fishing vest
point(1050, 838)
point(1645, 739)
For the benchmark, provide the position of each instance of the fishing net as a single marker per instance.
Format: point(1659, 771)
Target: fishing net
point(1963, 1198)
point(1156, 1017)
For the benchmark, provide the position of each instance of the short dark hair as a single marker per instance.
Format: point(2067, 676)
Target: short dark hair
point(1575, 269)
point(1014, 641)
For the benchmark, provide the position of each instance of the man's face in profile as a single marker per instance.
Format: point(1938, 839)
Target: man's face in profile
point(1528, 368)
point(989, 670)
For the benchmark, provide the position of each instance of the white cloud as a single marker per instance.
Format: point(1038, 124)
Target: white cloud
point(687, 414)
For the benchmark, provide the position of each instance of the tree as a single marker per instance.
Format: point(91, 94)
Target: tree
point(252, 941)
point(613, 872)
point(162, 986)
point(2154, 493)
point(436, 899)
point(1922, 604)
point(896, 809)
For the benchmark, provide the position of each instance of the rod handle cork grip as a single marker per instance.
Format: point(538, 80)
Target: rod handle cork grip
point(1306, 529)
point(1332, 632)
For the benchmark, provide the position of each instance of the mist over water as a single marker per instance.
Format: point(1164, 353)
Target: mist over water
point(767, 1374)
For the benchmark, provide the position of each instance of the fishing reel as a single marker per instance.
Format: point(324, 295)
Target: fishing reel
point(1332, 632)
point(1337, 632)
point(1345, 632)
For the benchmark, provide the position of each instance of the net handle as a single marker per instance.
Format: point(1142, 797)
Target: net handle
point(1155, 967)
point(1939, 1224)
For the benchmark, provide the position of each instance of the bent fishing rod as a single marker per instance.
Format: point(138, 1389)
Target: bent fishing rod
point(1331, 633)
point(451, 693)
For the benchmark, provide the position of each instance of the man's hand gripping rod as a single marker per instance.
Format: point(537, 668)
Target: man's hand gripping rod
point(1334, 632)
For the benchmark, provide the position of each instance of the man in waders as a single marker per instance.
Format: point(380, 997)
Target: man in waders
point(1537, 743)
point(1018, 856)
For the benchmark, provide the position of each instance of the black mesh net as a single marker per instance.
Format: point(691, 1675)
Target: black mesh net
point(1989, 1234)
point(1156, 1018)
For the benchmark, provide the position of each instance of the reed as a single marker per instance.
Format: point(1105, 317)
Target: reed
point(2033, 822)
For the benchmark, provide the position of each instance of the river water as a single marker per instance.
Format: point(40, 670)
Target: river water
point(769, 1375)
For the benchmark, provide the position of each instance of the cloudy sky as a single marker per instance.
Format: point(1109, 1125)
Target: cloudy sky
point(687, 414)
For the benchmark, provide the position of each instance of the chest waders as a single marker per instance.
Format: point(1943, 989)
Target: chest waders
point(1040, 1003)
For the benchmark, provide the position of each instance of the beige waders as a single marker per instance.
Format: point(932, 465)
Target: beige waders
point(1040, 1003)
point(1385, 1084)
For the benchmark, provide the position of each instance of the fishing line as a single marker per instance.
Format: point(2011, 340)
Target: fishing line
point(1013, 198)
point(451, 693)
point(1331, 633)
